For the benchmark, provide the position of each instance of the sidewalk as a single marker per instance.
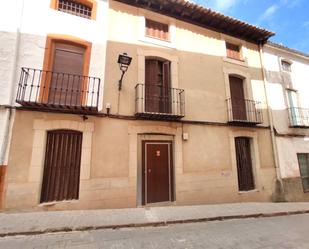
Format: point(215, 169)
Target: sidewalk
point(59, 221)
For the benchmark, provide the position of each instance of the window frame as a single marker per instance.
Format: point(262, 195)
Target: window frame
point(49, 57)
point(287, 62)
point(236, 45)
point(89, 3)
point(300, 172)
point(160, 23)
point(143, 15)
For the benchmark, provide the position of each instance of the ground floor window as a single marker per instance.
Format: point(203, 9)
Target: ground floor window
point(303, 161)
point(62, 166)
point(244, 164)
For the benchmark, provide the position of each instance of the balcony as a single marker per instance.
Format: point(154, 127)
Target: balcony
point(39, 89)
point(299, 117)
point(244, 111)
point(158, 102)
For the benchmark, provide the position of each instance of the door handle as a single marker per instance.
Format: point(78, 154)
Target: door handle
point(149, 171)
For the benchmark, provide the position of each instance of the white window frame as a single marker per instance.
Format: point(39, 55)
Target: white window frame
point(143, 15)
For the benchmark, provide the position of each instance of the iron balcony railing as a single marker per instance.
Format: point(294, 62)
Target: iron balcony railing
point(159, 102)
point(299, 117)
point(244, 111)
point(55, 90)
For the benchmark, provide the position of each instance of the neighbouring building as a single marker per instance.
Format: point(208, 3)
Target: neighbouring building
point(190, 124)
point(287, 73)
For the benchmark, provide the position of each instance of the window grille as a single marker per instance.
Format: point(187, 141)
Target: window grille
point(74, 8)
point(286, 66)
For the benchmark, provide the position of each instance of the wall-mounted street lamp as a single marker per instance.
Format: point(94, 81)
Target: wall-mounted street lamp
point(124, 62)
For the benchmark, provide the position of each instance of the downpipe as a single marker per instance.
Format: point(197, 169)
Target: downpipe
point(278, 195)
point(9, 115)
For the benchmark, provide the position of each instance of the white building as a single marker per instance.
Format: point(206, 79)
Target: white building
point(287, 74)
point(28, 31)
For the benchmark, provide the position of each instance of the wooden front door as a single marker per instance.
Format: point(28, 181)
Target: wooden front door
point(244, 164)
point(62, 166)
point(66, 81)
point(238, 98)
point(157, 172)
point(157, 86)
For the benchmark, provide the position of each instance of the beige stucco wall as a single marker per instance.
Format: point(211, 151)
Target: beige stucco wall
point(205, 165)
point(198, 57)
point(109, 167)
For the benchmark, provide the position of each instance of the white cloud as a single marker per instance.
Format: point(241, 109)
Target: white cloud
point(269, 12)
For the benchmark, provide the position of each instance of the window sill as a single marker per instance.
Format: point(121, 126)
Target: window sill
point(53, 203)
point(248, 192)
point(157, 42)
point(235, 61)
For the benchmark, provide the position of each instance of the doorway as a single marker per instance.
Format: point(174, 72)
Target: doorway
point(158, 86)
point(157, 172)
point(67, 78)
point(238, 98)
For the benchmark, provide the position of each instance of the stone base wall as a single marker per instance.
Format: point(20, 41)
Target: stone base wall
point(205, 169)
point(293, 190)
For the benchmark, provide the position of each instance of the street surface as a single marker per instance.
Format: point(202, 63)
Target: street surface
point(286, 232)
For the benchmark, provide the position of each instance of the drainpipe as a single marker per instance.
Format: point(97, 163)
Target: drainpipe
point(9, 119)
point(279, 191)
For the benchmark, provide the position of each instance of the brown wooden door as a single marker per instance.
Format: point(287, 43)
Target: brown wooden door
point(66, 82)
point(62, 166)
point(244, 164)
point(238, 98)
point(157, 86)
point(158, 171)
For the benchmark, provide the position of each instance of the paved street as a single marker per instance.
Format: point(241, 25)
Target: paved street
point(285, 232)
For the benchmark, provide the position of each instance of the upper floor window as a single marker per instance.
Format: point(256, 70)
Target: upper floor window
point(157, 30)
point(286, 66)
point(80, 8)
point(233, 51)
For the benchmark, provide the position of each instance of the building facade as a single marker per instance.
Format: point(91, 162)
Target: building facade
point(189, 125)
point(287, 73)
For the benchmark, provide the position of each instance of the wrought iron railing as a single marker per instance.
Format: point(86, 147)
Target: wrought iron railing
point(47, 89)
point(244, 111)
point(299, 117)
point(157, 101)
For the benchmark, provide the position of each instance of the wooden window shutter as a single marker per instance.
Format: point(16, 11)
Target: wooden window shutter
point(244, 164)
point(62, 166)
point(233, 51)
point(166, 91)
point(157, 30)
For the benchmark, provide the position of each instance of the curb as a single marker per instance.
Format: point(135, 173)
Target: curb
point(153, 224)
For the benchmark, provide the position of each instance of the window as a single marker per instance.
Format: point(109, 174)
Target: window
point(82, 8)
point(65, 81)
point(286, 66)
point(244, 164)
point(233, 51)
point(157, 30)
point(303, 161)
point(62, 166)
point(157, 86)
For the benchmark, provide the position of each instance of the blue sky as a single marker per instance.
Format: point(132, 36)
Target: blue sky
point(289, 19)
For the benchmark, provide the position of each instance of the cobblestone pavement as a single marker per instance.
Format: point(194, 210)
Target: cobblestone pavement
point(287, 232)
